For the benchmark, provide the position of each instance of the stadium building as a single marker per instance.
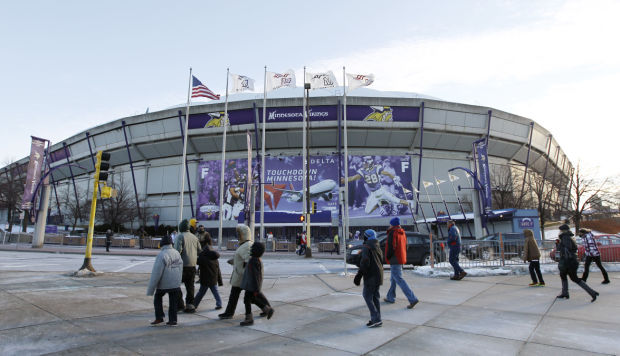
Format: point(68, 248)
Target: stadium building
point(406, 141)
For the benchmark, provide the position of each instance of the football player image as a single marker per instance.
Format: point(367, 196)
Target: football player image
point(371, 175)
point(233, 203)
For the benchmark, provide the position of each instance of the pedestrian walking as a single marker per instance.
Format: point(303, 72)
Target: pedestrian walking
point(202, 236)
point(336, 244)
point(454, 243)
point(188, 246)
point(531, 254)
point(252, 285)
point(303, 243)
point(210, 275)
point(396, 257)
point(239, 261)
point(166, 278)
point(371, 270)
point(592, 254)
point(142, 235)
point(568, 263)
point(108, 240)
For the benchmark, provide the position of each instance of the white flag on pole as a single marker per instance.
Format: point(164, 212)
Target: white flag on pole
point(427, 184)
point(453, 177)
point(359, 80)
point(241, 83)
point(321, 80)
point(279, 80)
point(439, 181)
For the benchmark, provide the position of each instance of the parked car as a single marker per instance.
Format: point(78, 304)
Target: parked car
point(608, 246)
point(488, 247)
point(418, 249)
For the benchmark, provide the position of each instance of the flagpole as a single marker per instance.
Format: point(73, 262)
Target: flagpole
point(223, 166)
point(303, 162)
point(402, 188)
point(346, 168)
point(433, 208)
point(460, 205)
point(182, 192)
point(444, 201)
point(262, 166)
point(417, 192)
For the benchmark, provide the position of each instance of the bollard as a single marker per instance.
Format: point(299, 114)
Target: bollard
point(432, 253)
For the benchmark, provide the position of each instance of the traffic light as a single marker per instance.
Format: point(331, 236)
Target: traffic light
point(102, 166)
point(313, 209)
point(301, 218)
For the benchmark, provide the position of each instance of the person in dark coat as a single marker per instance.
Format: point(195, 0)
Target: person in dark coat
point(108, 240)
point(531, 254)
point(371, 270)
point(454, 243)
point(568, 263)
point(252, 284)
point(210, 275)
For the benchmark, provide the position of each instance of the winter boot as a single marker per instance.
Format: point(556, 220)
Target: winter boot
point(564, 289)
point(268, 311)
point(590, 291)
point(249, 320)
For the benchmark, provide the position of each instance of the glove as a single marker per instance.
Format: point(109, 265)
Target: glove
point(357, 279)
point(231, 261)
point(397, 180)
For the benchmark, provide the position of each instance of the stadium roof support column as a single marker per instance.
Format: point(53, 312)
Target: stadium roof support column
point(189, 184)
point(48, 157)
point(417, 200)
point(490, 114)
point(527, 159)
point(133, 176)
point(77, 201)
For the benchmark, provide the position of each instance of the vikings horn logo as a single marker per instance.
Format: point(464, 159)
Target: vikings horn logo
point(380, 114)
point(216, 119)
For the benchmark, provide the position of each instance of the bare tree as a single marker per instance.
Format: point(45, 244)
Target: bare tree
point(506, 188)
point(585, 191)
point(74, 206)
point(121, 209)
point(542, 189)
point(11, 190)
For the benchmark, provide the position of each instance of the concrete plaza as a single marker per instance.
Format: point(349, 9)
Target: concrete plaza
point(318, 314)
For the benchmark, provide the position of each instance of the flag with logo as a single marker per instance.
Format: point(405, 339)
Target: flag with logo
point(439, 181)
point(280, 80)
point(427, 184)
point(452, 177)
point(241, 83)
point(321, 80)
point(359, 80)
point(200, 90)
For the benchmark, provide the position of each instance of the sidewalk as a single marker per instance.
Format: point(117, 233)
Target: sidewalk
point(134, 251)
point(316, 314)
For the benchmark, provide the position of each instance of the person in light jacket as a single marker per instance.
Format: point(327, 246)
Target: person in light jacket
point(239, 261)
point(189, 247)
point(531, 254)
point(166, 278)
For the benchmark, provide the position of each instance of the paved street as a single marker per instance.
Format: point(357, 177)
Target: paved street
point(321, 312)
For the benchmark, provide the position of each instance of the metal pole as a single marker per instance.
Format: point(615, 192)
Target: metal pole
point(442, 199)
point(182, 174)
point(420, 156)
point(434, 212)
point(262, 163)
point(77, 200)
point(340, 208)
point(527, 160)
point(223, 166)
point(49, 157)
point(345, 224)
point(415, 196)
point(461, 206)
point(307, 168)
point(92, 157)
point(133, 177)
point(189, 183)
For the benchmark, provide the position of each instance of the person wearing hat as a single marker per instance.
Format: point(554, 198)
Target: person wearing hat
point(531, 254)
point(189, 247)
point(166, 278)
point(371, 270)
point(396, 257)
point(592, 254)
point(454, 243)
point(568, 263)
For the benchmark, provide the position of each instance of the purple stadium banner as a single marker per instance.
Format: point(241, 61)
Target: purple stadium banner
point(379, 186)
point(33, 174)
point(235, 178)
point(484, 176)
point(377, 113)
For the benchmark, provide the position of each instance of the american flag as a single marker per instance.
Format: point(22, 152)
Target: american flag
point(201, 90)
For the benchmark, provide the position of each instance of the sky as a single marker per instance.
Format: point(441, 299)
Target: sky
point(72, 65)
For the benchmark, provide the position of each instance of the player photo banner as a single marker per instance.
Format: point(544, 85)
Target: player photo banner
point(33, 174)
point(483, 174)
point(379, 186)
point(235, 180)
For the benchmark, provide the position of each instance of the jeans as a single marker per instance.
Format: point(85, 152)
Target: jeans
point(535, 271)
point(188, 278)
point(396, 278)
point(371, 296)
point(173, 297)
point(454, 260)
point(586, 267)
point(203, 290)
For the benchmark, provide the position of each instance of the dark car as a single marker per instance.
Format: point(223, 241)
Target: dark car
point(418, 249)
point(489, 248)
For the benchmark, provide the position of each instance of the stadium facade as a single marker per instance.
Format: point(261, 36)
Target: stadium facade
point(417, 139)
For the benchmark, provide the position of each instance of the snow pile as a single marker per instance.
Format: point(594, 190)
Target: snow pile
point(441, 270)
